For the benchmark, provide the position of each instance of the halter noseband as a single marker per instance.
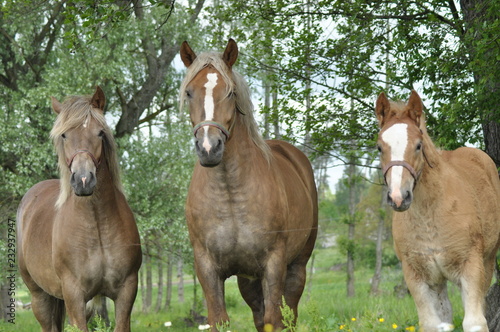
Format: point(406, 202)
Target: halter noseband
point(399, 163)
point(96, 162)
point(211, 124)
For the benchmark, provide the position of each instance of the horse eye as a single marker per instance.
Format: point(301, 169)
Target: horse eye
point(188, 94)
point(101, 134)
point(63, 136)
point(419, 146)
point(379, 148)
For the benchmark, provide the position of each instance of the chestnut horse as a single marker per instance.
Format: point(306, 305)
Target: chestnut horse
point(447, 220)
point(252, 207)
point(77, 237)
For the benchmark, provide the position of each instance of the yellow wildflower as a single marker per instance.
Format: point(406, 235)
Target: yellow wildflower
point(394, 326)
point(410, 328)
point(381, 320)
point(353, 319)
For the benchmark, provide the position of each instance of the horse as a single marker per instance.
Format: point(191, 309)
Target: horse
point(446, 224)
point(77, 236)
point(251, 207)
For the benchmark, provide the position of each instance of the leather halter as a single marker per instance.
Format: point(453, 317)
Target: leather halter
point(211, 124)
point(70, 160)
point(400, 163)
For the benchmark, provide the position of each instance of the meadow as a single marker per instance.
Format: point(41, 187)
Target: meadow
point(324, 305)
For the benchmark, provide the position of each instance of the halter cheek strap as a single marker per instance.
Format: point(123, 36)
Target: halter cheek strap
point(70, 160)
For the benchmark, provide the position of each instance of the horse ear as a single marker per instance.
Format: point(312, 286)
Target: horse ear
point(56, 105)
point(382, 107)
point(231, 53)
point(415, 107)
point(187, 54)
point(98, 99)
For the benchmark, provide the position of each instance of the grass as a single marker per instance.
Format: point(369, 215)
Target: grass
point(324, 306)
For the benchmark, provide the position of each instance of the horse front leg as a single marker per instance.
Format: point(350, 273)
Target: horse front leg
point(273, 285)
point(213, 288)
point(75, 304)
point(473, 291)
point(124, 303)
point(433, 305)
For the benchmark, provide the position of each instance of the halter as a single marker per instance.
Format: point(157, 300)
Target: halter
point(217, 125)
point(70, 160)
point(211, 124)
point(405, 165)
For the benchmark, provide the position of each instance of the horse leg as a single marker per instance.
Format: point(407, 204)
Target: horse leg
point(426, 300)
point(294, 285)
point(75, 305)
point(273, 285)
point(251, 290)
point(124, 303)
point(213, 288)
point(473, 293)
point(48, 310)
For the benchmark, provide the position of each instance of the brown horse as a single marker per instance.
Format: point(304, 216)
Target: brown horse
point(447, 220)
point(252, 204)
point(77, 237)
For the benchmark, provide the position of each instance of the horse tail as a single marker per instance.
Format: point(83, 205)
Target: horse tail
point(98, 306)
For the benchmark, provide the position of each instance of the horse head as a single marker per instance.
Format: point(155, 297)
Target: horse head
point(400, 142)
point(211, 100)
point(81, 145)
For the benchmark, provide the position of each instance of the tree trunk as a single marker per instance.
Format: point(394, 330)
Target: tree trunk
point(180, 280)
point(148, 297)
point(377, 275)
point(479, 16)
point(159, 297)
point(352, 216)
point(168, 298)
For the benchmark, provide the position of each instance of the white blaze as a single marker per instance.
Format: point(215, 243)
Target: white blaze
point(209, 106)
point(396, 137)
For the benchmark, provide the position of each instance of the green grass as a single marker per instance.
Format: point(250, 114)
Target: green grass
point(323, 307)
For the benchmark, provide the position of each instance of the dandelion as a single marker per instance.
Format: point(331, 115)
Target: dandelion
point(268, 328)
point(353, 319)
point(381, 320)
point(394, 326)
point(168, 324)
point(341, 327)
point(410, 328)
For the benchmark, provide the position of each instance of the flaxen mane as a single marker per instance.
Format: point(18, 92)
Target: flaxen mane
point(235, 84)
point(75, 111)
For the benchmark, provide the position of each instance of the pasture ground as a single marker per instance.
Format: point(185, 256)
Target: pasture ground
point(324, 305)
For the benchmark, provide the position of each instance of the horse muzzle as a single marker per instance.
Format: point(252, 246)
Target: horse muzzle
point(210, 150)
point(83, 183)
point(399, 200)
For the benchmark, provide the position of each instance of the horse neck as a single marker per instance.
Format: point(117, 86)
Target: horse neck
point(428, 187)
point(241, 155)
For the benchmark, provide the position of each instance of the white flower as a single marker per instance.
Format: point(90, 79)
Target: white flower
point(203, 327)
point(168, 324)
point(445, 327)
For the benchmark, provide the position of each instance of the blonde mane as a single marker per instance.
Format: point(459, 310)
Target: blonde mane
point(75, 111)
point(235, 83)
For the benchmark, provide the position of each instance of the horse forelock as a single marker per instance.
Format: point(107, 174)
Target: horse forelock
point(399, 114)
point(77, 111)
point(235, 84)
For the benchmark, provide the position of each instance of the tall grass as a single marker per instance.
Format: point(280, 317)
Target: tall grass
point(323, 307)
